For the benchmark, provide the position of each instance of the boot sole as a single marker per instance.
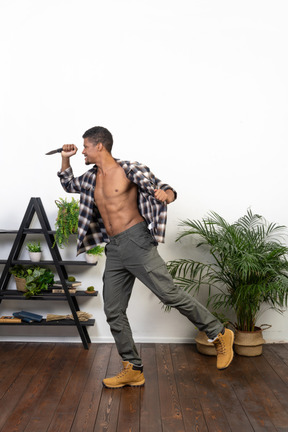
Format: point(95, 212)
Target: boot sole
point(136, 384)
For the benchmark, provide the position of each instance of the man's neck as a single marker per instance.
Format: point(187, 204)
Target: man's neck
point(106, 164)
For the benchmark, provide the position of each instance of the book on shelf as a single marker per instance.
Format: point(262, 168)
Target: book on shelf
point(10, 319)
point(58, 283)
point(28, 316)
point(23, 319)
point(62, 291)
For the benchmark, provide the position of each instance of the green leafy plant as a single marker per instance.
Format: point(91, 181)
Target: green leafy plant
point(90, 289)
point(19, 271)
point(97, 250)
point(248, 265)
point(34, 246)
point(67, 220)
point(38, 279)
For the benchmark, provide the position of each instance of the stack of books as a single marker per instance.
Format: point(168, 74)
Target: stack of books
point(57, 287)
point(27, 317)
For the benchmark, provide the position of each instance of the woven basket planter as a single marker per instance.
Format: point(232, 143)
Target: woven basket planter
point(203, 346)
point(249, 344)
point(20, 284)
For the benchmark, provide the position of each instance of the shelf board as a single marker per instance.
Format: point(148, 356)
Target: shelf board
point(50, 262)
point(19, 295)
point(64, 322)
point(28, 231)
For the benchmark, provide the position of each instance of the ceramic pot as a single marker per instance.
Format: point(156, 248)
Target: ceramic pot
point(35, 256)
point(91, 259)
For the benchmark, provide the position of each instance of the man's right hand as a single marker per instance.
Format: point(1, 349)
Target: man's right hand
point(68, 150)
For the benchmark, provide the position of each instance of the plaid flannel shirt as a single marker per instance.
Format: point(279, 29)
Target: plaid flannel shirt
point(91, 229)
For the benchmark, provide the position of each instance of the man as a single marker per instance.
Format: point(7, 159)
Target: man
point(124, 204)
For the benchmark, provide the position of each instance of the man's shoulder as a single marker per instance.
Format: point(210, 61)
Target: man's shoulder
point(92, 171)
point(126, 164)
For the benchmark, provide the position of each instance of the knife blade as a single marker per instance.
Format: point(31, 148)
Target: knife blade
point(59, 150)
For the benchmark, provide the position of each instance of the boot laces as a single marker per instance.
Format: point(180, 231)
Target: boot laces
point(123, 372)
point(220, 345)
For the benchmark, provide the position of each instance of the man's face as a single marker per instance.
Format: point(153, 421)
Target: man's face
point(90, 152)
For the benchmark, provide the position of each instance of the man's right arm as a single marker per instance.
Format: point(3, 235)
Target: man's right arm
point(68, 181)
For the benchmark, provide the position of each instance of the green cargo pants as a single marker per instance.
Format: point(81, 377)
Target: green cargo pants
point(133, 254)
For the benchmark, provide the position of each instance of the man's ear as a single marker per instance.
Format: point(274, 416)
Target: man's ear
point(100, 146)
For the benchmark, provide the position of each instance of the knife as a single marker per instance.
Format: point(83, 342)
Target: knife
point(59, 150)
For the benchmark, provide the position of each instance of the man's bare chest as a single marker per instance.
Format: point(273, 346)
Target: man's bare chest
point(111, 185)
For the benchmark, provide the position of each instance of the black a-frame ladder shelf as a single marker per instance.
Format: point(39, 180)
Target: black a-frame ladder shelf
point(35, 207)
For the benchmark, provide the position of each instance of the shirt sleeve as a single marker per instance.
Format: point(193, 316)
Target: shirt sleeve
point(69, 183)
point(157, 183)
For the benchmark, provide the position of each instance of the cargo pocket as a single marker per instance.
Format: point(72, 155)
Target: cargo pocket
point(144, 241)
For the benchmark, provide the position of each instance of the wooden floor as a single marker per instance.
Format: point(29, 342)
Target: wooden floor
point(57, 387)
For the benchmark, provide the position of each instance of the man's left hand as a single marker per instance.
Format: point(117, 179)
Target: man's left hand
point(164, 196)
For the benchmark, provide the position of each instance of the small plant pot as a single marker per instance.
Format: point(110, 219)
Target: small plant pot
point(91, 259)
point(35, 256)
point(20, 284)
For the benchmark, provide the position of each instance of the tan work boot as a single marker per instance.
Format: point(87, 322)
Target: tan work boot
point(130, 375)
point(224, 347)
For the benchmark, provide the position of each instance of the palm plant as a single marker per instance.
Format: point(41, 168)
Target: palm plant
point(248, 265)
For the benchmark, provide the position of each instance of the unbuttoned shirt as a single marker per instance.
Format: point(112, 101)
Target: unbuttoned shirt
point(91, 229)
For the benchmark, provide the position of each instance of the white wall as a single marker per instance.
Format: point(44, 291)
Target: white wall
point(197, 90)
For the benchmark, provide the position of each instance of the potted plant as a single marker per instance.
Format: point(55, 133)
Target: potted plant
point(35, 252)
point(20, 273)
point(37, 279)
point(90, 290)
point(248, 268)
point(92, 255)
point(67, 220)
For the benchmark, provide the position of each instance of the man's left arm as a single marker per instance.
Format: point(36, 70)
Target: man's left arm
point(162, 191)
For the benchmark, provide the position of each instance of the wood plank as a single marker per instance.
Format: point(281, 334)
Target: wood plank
point(129, 410)
point(170, 407)
point(107, 416)
point(51, 396)
point(281, 351)
point(276, 362)
point(201, 369)
point(273, 379)
point(13, 395)
point(231, 405)
point(64, 415)
point(12, 363)
point(88, 407)
point(249, 396)
point(31, 383)
point(275, 410)
point(150, 420)
point(189, 399)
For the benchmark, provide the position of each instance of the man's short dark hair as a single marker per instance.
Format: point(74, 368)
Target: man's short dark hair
point(99, 134)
